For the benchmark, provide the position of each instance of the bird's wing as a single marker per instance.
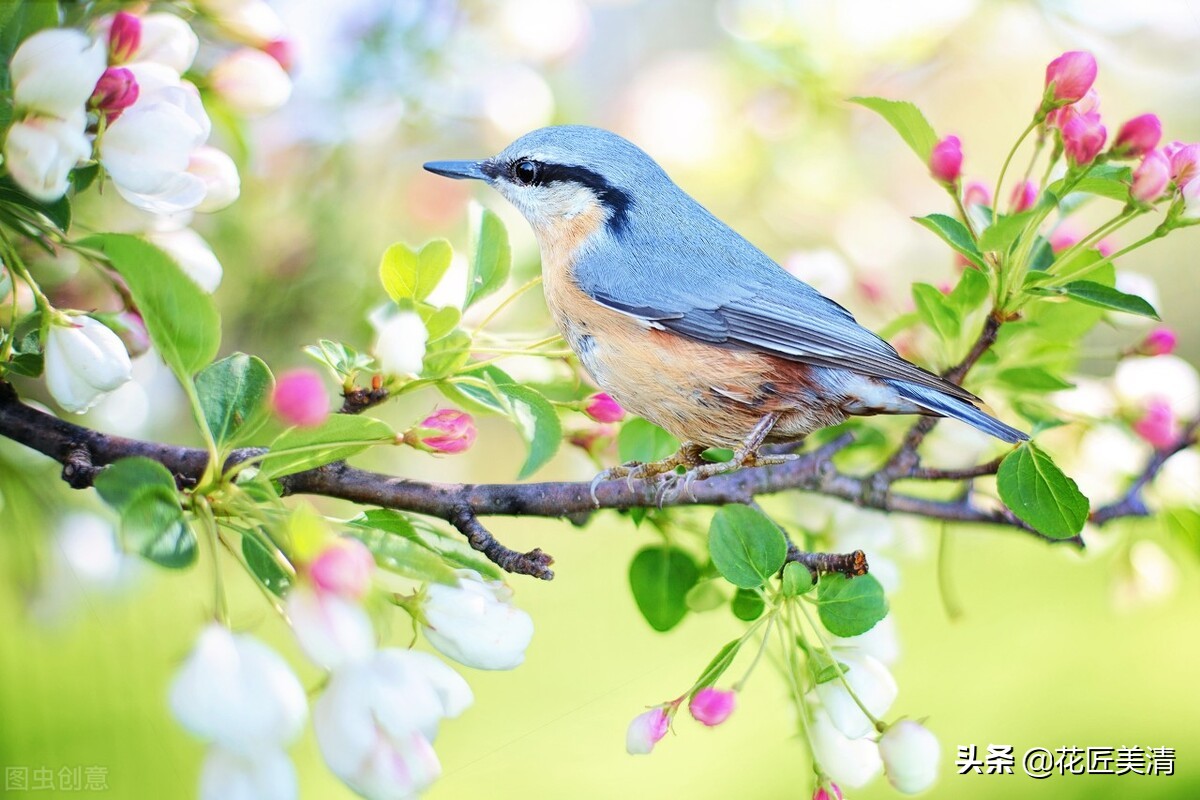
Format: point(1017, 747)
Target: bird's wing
point(727, 292)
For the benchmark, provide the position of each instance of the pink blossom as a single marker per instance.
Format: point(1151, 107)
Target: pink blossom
point(124, 37)
point(283, 51)
point(1083, 138)
point(1062, 238)
point(116, 91)
point(646, 730)
point(1086, 105)
point(945, 162)
point(976, 194)
point(833, 793)
point(300, 398)
point(1071, 75)
point(1150, 177)
point(1138, 136)
point(602, 408)
point(1159, 342)
point(1185, 161)
point(1106, 247)
point(1157, 425)
point(591, 439)
point(343, 568)
point(1023, 196)
point(711, 706)
point(447, 431)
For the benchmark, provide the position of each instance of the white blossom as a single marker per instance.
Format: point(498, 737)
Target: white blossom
point(475, 624)
point(1138, 380)
point(229, 776)
point(84, 361)
point(222, 184)
point(251, 21)
point(251, 82)
point(332, 630)
point(54, 72)
point(40, 153)
point(240, 694)
point(400, 342)
point(910, 755)
point(849, 762)
point(872, 683)
point(192, 254)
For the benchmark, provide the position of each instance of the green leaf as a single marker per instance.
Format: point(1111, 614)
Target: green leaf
point(56, 211)
point(953, 233)
point(449, 547)
point(644, 441)
point(492, 261)
point(717, 455)
point(1033, 379)
point(342, 359)
point(1000, 235)
point(747, 548)
point(341, 436)
point(536, 421)
point(143, 492)
point(707, 595)
point(970, 293)
point(850, 606)
point(747, 605)
point(439, 322)
point(233, 394)
point(120, 483)
point(446, 354)
point(412, 275)
point(660, 578)
point(404, 556)
point(264, 567)
point(828, 671)
point(1038, 492)
point(908, 121)
point(182, 321)
point(797, 579)
point(1100, 296)
point(474, 391)
point(719, 664)
point(936, 311)
point(1103, 180)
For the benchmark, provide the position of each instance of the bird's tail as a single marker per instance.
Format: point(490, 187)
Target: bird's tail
point(955, 408)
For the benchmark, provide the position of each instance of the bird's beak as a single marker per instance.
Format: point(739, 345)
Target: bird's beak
point(458, 169)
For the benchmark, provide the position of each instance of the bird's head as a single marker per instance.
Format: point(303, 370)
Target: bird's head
point(560, 175)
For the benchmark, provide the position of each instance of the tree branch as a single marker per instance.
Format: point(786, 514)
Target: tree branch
point(1131, 503)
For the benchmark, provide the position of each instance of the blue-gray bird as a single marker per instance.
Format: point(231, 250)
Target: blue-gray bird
point(682, 320)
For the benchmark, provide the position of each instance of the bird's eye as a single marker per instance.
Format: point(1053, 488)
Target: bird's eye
point(525, 172)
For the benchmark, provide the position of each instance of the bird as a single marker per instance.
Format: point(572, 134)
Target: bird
point(687, 324)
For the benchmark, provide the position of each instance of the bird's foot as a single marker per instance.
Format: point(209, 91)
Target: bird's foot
point(675, 485)
point(687, 458)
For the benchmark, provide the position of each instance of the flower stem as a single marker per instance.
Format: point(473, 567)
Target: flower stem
point(841, 673)
point(520, 290)
point(1008, 160)
point(737, 687)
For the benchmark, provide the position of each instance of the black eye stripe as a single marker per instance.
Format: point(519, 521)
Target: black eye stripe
point(616, 200)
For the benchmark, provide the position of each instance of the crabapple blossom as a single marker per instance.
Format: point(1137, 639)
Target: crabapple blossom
point(1023, 196)
point(40, 153)
point(1158, 342)
point(400, 342)
point(54, 72)
point(1191, 200)
point(850, 762)
point(1150, 177)
point(1138, 380)
point(343, 568)
point(300, 398)
point(1083, 138)
point(910, 755)
point(124, 37)
point(1069, 76)
point(229, 776)
point(193, 255)
point(834, 792)
point(332, 630)
point(251, 21)
point(1138, 136)
point(945, 161)
point(283, 51)
point(238, 693)
point(251, 82)
point(475, 624)
point(130, 326)
point(1157, 425)
point(603, 408)
point(646, 730)
point(711, 706)
point(116, 91)
point(445, 431)
point(84, 361)
point(222, 184)
point(1185, 162)
point(976, 194)
point(870, 681)
point(165, 39)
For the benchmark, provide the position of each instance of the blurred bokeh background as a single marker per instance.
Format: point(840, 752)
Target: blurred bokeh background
point(743, 102)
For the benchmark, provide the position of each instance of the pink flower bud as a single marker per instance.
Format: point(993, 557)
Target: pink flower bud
point(1062, 238)
point(945, 162)
point(602, 408)
point(124, 37)
point(646, 730)
point(343, 568)
point(283, 51)
point(976, 194)
point(1158, 342)
point(1071, 75)
point(116, 91)
point(1138, 136)
point(300, 398)
point(447, 431)
point(711, 706)
point(1185, 162)
point(1083, 138)
point(1105, 247)
point(1023, 196)
point(1157, 425)
point(833, 793)
point(1150, 178)
point(592, 439)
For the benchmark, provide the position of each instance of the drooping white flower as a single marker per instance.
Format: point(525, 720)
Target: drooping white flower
point(475, 624)
point(40, 153)
point(910, 755)
point(332, 630)
point(192, 254)
point(871, 682)
point(880, 642)
point(251, 82)
point(849, 762)
point(400, 342)
point(235, 691)
point(229, 776)
point(251, 21)
point(54, 72)
point(84, 361)
point(376, 719)
point(222, 184)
